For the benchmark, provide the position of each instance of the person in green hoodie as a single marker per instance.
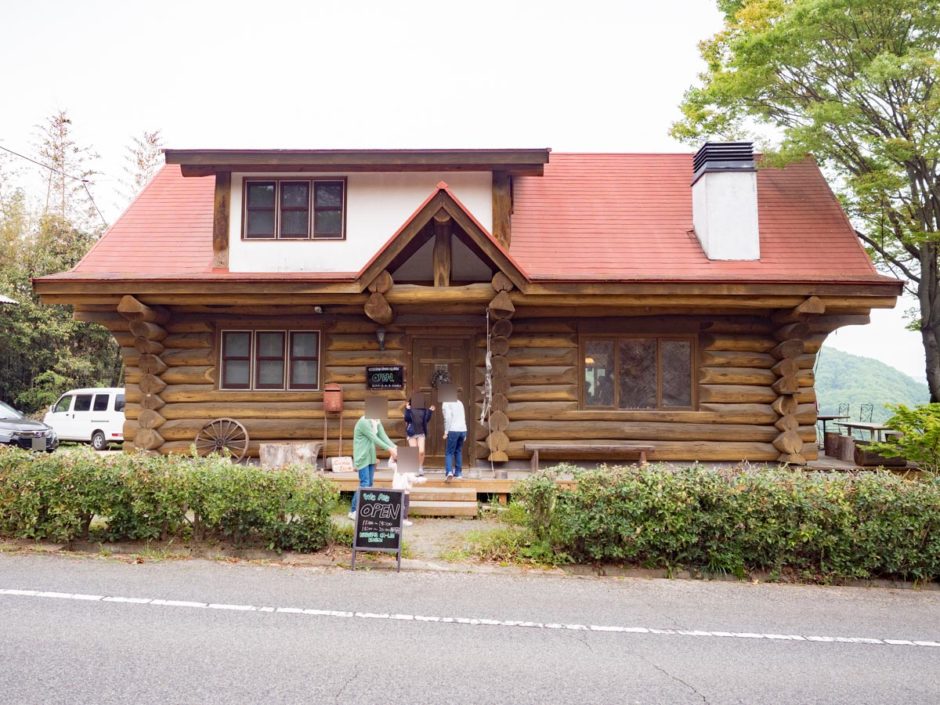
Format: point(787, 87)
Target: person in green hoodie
point(367, 434)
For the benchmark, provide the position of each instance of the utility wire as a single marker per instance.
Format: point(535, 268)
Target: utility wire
point(90, 198)
point(84, 182)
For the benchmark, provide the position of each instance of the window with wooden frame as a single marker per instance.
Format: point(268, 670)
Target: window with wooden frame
point(236, 359)
point(294, 209)
point(303, 362)
point(270, 359)
point(638, 372)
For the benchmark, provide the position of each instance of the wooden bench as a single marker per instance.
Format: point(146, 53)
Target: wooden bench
point(603, 450)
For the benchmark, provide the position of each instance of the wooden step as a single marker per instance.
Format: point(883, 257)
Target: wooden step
point(442, 509)
point(443, 494)
point(439, 481)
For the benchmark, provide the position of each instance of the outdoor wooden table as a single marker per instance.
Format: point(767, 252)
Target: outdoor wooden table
point(875, 430)
point(823, 418)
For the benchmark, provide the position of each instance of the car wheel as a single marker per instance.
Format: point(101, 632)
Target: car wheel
point(98, 441)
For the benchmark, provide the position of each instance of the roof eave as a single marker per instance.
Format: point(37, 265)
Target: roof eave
point(203, 162)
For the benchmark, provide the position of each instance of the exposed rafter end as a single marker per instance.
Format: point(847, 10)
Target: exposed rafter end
point(812, 306)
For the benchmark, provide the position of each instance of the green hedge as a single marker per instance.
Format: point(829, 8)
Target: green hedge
point(818, 526)
point(56, 496)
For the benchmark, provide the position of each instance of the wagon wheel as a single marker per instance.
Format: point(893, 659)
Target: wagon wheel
point(224, 436)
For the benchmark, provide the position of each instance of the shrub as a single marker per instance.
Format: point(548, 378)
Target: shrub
point(918, 439)
point(821, 527)
point(148, 497)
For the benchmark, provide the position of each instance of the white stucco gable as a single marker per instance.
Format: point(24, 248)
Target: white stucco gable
point(377, 204)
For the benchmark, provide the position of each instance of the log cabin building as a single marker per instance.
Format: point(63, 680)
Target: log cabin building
point(673, 300)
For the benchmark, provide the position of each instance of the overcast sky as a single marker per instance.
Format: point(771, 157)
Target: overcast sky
point(573, 76)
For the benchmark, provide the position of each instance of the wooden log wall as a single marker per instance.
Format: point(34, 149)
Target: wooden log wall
point(500, 310)
point(736, 371)
point(146, 325)
point(346, 347)
point(754, 383)
point(791, 332)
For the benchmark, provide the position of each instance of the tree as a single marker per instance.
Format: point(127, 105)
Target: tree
point(144, 157)
point(69, 172)
point(853, 83)
point(43, 351)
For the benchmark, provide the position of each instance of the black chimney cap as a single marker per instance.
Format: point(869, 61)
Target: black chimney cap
point(723, 156)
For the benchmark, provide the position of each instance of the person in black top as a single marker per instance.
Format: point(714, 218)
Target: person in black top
point(416, 425)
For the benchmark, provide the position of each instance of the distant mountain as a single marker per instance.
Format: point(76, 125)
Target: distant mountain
point(844, 378)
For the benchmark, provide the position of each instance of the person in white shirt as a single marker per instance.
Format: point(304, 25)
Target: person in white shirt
point(455, 432)
point(405, 481)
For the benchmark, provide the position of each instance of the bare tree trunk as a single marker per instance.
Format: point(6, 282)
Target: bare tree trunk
point(927, 293)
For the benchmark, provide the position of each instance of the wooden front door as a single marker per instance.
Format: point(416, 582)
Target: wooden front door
point(453, 355)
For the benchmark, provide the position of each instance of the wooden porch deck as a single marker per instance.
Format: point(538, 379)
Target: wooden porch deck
point(483, 483)
point(461, 497)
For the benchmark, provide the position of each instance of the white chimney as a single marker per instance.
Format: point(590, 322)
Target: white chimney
point(724, 200)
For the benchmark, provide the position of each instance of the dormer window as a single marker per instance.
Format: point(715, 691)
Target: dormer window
point(294, 209)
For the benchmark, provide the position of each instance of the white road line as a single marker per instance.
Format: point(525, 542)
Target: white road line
point(469, 621)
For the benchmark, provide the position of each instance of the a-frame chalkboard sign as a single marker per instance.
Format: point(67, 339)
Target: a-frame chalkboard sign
point(378, 521)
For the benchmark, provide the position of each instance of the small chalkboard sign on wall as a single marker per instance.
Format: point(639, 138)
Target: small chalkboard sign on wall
point(386, 377)
point(379, 518)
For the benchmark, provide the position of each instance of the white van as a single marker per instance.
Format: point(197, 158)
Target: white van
point(89, 415)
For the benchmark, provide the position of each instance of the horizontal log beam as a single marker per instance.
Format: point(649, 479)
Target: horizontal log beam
point(639, 430)
point(542, 393)
point(190, 375)
point(188, 341)
point(719, 358)
point(416, 294)
point(711, 451)
point(736, 375)
point(737, 343)
point(736, 394)
point(189, 356)
point(280, 429)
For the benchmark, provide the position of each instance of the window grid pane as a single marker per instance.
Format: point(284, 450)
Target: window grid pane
point(295, 209)
point(637, 377)
point(328, 224)
point(328, 209)
point(260, 209)
point(269, 361)
point(295, 224)
point(236, 360)
point(236, 374)
point(260, 224)
point(599, 373)
point(261, 194)
point(676, 365)
point(303, 360)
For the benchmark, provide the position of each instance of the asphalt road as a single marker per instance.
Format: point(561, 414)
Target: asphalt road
point(90, 631)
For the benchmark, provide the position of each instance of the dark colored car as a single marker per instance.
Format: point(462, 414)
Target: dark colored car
point(18, 430)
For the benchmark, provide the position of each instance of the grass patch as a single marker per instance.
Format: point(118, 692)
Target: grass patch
point(505, 545)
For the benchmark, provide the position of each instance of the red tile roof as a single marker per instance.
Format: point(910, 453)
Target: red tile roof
point(167, 230)
point(609, 217)
point(629, 217)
